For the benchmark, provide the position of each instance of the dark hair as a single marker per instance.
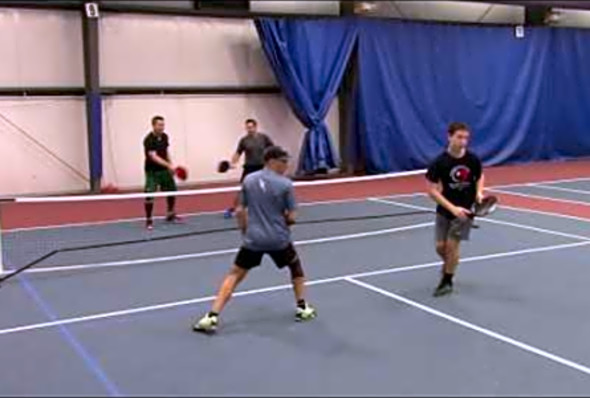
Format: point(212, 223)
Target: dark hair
point(275, 152)
point(456, 126)
point(253, 121)
point(157, 119)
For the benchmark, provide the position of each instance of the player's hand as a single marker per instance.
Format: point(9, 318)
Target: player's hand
point(461, 213)
point(479, 197)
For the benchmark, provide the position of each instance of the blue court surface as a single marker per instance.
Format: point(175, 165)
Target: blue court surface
point(117, 321)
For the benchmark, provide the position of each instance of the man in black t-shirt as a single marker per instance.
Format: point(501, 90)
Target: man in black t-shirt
point(159, 170)
point(252, 145)
point(455, 183)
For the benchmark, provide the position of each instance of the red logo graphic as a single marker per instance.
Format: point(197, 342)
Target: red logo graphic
point(461, 174)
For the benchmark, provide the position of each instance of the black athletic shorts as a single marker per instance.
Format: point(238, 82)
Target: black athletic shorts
point(249, 169)
point(248, 259)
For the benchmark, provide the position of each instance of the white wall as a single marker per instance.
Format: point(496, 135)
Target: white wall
point(147, 50)
point(449, 11)
point(189, 4)
point(296, 7)
point(573, 18)
point(60, 125)
point(40, 48)
point(203, 131)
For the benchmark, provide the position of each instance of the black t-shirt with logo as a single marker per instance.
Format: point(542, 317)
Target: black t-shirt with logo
point(459, 177)
point(158, 143)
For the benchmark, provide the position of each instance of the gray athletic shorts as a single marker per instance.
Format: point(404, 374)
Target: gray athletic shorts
point(455, 229)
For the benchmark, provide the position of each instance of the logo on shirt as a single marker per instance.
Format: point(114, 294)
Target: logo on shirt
point(262, 185)
point(460, 177)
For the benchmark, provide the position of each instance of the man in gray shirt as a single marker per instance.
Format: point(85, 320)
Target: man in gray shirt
point(252, 146)
point(266, 212)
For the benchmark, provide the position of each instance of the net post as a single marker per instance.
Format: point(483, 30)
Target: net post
point(1, 238)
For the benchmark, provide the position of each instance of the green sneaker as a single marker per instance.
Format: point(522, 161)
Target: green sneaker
point(207, 324)
point(305, 314)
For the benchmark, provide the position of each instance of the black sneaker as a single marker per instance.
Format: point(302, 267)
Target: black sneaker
point(173, 218)
point(443, 289)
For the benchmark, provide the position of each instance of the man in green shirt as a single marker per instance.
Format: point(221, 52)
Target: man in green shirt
point(159, 170)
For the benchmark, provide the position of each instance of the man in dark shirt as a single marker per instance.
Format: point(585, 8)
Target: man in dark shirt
point(159, 170)
point(252, 145)
point(455, 183)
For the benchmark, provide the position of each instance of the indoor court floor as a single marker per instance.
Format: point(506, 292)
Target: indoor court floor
point(117, 321)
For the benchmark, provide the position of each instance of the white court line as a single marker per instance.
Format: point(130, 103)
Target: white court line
point(473, 327)
point(493, 221)
point(203, 213)
point(560, 189)
point(544, 213)
point(541, 182)
point(527, 195)
point(113, 264)
point(222, 252)
point(536, 229)
point(131, 311)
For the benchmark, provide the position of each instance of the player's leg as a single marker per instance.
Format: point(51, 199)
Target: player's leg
point(457, 231)
point(245, 261)
point(150, 186)
point(289, 258)
point(441, 235)
point(166, 181)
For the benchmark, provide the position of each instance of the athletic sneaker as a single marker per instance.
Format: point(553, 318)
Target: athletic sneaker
point(149, 225)
point(229, 213)
point(173, 218)
point(305, 314)
point(443, 289)
point(207, 324)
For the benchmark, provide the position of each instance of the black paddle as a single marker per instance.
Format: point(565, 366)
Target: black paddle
point(487, 206)
point(223, 166)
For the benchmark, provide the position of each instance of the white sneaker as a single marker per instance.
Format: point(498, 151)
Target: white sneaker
point(305, 314)
point(207, 324)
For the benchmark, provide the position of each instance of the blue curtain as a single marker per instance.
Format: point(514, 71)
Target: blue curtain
point(309, 58)
point(415, 78)
point(569, 94)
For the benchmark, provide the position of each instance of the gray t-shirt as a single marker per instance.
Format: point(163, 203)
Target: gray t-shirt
point(254, 146)
point(267, 196)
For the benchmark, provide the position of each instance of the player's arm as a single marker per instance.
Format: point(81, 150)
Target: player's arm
point(235, 159)
point(290, 206)
point(242, 211)
point(269, 141)
point(480, 182)
point(242, 218)
point(162, 162)
point(152, 153)
point(434, 190)
point(290, 217)
point(480, 188)
point(237, 154)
